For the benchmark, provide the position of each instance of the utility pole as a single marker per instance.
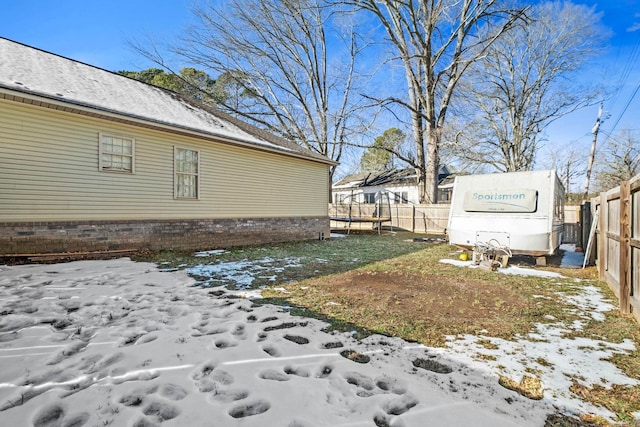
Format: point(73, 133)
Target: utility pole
point(594, 130)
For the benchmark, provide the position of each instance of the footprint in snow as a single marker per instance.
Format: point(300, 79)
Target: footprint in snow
point(300, 372)
point(204, 370)
point(359, 380)
point(432, 365)
point(223, 343)
point(209, 330)
point(400, 404)
point(67, 352)
point(111, 360)
point(55, 415)
point(144, 422)
point(160, 411)
point(354, 356)
point(325, 371)
point(273, 375)
point(49, 415)
point(172, 392)
point(45, 377)
point(297, 339)
point(271, 351)
point(229, 395)
point(208, 378)
point(239, 332)
point(76, 420)
point(138, 396)
point(147, 338)
point(285, 325)
point(221, 377)
point(392, 385)
point(332, 345)
point(249, 409)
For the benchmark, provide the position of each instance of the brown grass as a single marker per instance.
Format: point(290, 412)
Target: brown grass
point(529, 387)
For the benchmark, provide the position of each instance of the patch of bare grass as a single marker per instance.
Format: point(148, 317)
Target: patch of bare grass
point(529, 387)
point(621, 400)
point(313, 258)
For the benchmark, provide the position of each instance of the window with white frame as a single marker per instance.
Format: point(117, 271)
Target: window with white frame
point(186, 166)
point(369, 197)
point(116, 153)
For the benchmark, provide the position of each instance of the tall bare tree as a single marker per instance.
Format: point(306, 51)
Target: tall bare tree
point(436, 41)
point(290, 66)
point(524, 82)
point(620, 160)
point(569, 163)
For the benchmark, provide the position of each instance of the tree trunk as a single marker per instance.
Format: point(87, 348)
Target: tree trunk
point(432, 166)
point(418, 139)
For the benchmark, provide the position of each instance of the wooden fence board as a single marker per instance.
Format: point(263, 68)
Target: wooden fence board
point(618, 241)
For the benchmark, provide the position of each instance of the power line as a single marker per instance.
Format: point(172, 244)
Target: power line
point(624, 110)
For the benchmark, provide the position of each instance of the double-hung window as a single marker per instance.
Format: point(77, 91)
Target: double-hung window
point(186, 166)
point(116, 153)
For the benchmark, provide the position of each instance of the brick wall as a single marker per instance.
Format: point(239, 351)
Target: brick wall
point(92, 236)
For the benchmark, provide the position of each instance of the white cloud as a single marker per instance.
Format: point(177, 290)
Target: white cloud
point(634, 27)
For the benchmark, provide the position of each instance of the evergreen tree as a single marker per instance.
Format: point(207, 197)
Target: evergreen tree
point(379, 157)
point(193, 83)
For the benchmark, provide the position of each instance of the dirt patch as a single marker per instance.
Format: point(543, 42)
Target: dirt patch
point(418, 293)
point(417, 305)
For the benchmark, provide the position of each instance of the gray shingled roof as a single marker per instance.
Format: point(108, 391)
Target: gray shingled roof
point(32, 71)
point(406, 176)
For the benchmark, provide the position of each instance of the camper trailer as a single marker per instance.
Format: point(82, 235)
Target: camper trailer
point(500, 215)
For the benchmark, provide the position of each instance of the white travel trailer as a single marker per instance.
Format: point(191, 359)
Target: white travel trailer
point(507, 213)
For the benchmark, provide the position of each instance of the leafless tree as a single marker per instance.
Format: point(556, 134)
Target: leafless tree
point(619, 161)
point(436, 41)
point(288, 66)
point(569, 163)
point(526, 80)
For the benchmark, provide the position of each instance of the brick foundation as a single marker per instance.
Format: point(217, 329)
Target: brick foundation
point(98, 236)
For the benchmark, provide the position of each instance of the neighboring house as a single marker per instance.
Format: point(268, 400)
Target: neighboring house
point(402, 186)
point(94, 161)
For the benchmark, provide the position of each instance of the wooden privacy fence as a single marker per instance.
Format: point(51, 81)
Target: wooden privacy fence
point(428, 219)
point(572, 226)
point(433, 219)
point(617, 213)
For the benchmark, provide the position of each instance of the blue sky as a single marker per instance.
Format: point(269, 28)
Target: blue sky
point(97, 32)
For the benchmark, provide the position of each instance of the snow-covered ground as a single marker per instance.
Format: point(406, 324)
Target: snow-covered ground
point(121, 343)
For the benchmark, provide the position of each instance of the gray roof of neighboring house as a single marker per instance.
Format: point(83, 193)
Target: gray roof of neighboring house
point(33, 71)
point(391, 177)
